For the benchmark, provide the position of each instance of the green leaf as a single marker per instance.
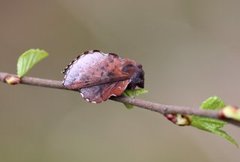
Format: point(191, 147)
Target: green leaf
point(212, 125)
point(28, 59)
point(213, 103)
point(132, 93)
point(128, 106)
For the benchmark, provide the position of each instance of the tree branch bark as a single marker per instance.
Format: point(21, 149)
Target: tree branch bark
point(156, 107)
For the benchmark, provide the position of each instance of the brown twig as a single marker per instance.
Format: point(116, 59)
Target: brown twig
point(160, 108)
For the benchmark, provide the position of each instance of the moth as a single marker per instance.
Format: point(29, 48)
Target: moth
point(98, 76)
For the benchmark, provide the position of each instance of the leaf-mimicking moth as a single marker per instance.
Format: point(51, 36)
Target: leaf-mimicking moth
point(109, 74)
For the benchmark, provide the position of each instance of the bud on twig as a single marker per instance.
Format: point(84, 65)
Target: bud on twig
point(12, 79)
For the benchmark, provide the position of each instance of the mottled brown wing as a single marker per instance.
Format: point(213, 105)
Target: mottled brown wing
point(92, 67)
point(95, 67)
point(97, 94)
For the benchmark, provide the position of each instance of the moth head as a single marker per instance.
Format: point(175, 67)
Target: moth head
point(137, 74)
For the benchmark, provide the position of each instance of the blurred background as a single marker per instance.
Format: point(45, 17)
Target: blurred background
point(189, 51)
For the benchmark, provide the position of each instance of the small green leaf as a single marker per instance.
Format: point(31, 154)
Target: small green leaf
point(212, 125)
point(128, 106)
point(132, 93)
point(28, 59)
point(212, 103)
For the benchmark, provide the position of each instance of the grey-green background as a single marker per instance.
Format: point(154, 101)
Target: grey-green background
point(189, 50)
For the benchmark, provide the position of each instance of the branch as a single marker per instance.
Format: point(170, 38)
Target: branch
point(160, 108)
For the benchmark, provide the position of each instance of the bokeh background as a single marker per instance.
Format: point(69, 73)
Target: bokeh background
point(189, 49)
